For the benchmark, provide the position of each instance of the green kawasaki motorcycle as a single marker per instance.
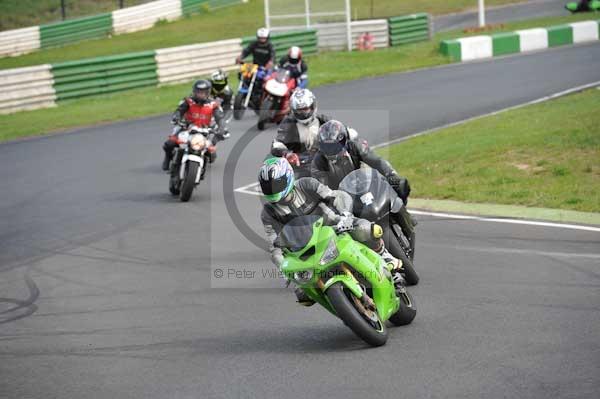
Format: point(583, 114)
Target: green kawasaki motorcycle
point(344, 276)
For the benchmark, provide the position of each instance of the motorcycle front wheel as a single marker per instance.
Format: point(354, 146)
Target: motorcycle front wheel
point(189, 181)
point(238, 107)
point(370, 329)
point(407, 311)
point(265, 113)
point(392, 243)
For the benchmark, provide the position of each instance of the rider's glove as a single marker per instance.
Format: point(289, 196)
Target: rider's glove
point(346, 223)
point(400, 185)
point(293, 158)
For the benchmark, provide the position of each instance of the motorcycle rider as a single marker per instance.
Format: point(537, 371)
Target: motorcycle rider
point(198, 109)
point(286, 198)
point(294, 63)
point(262, 50)
point(338, 156)
point(222, 92)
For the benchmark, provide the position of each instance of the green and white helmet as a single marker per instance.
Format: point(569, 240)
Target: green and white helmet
point(276, 179)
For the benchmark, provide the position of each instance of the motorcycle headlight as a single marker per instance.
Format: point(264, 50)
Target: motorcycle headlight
point(197, 142)
point(331, 252)
point(303, 277)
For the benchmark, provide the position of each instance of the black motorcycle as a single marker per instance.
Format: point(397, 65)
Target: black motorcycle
point(375, 200)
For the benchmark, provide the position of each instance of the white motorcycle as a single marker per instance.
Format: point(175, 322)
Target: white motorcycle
point(192, 156)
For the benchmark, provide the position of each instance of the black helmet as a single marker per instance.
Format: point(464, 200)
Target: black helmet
point(201, 90)
point(332, 138)
point(219, 80)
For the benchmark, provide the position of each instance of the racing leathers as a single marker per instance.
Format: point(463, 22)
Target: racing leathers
point(297, 138)
point(263, 53)
point(298, 70)
point(225, 97)
point(199, 113)
point(310, 197)
point(331, 170)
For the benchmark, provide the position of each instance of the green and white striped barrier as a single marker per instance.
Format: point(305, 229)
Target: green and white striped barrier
point(131, 19)
point(522, 41)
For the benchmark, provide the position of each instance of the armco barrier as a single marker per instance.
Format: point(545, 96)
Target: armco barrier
point(19, 41)
point(26, 88)
point(409, 28)
point(181, 64)
point(144, 16)
point(131, 19)
point(478, 47)
point(75, 30)
point(104, 75)
point(306, 39)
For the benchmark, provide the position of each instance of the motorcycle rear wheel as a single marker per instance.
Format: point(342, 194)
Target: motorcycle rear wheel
point(347, 311)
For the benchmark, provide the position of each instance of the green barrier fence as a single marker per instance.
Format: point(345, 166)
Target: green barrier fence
point(104, 75)
point(408, 29)
point(75, 30)
point(305, 39)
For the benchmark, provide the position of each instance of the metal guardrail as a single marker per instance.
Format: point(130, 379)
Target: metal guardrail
point(26, 88)
point(19, 41)
point(104, 75)
point(144, 16)
point(75, 30)
point(409, 29)
point(182, 64)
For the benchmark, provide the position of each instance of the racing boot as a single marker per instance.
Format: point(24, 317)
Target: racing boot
point(302, 298)
point(168, 149)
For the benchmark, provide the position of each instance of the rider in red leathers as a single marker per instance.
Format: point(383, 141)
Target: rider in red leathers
point(198, 109)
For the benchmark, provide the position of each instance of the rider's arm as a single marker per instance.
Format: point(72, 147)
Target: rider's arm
point(280, 146)
point(362, 152)
point(182, 108)
point(248, 50)
point(340, 201)
point(319, 168)
point(272, 227)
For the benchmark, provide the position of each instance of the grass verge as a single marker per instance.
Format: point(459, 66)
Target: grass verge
point(545, 155)
point(325, 68)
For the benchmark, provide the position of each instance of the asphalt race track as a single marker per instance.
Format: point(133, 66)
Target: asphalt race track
point(502, 14)
point(110, 288)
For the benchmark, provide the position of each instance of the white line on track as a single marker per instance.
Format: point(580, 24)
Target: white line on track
point(251, 188)
point(516, 251)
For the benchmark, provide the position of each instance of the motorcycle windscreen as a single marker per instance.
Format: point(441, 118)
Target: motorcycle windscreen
point(297, 233)
point(372, 195)
point(276, 88)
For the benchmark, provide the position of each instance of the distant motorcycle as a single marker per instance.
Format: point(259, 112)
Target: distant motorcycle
point(275, 103)
point(376, 201)
point(583, 6)
point(194, 153)
point(249, 89)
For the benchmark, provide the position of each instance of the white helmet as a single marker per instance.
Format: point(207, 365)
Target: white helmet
point(304, 106)
point(263, 33)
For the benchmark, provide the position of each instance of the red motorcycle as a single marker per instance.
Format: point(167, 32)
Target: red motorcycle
point(275, 104)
